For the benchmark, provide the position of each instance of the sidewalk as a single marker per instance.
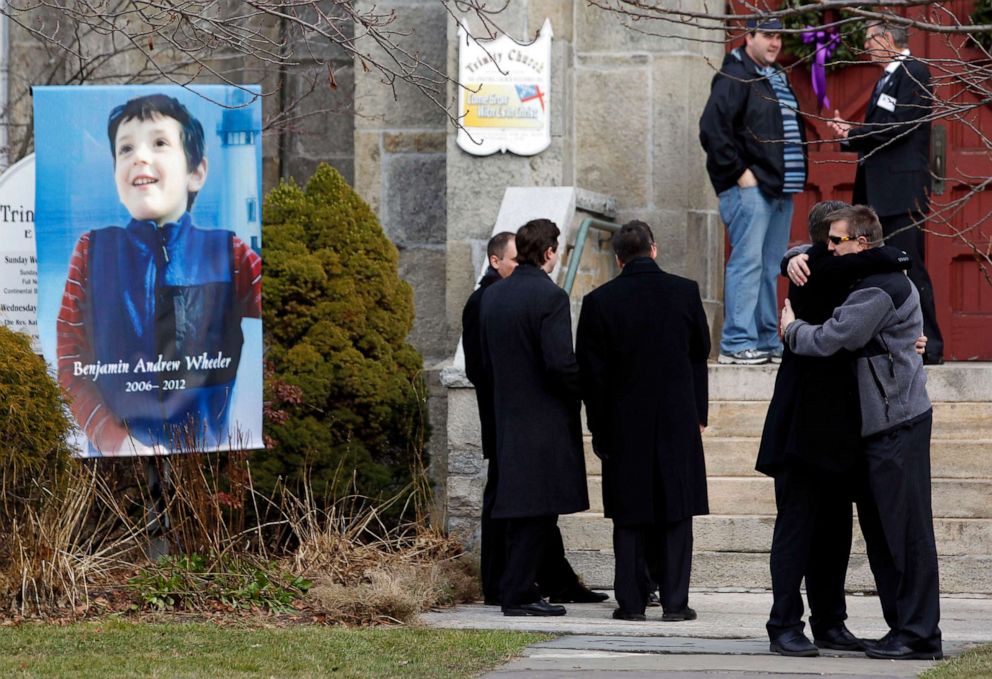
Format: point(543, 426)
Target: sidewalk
point(727, 640)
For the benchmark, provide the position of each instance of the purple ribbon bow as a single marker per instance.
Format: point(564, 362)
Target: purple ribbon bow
point(826, 41)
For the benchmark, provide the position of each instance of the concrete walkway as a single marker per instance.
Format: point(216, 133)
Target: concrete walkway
point(727, 640)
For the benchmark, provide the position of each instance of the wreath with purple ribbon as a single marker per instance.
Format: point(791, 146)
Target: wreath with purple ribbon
point(824, 42)
point(820, 47)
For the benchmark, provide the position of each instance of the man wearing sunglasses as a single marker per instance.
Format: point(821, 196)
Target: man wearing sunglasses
point(881, 321)
point(812, 457)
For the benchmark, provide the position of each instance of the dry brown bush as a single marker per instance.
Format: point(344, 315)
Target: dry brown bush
point(395, 593)
point(89, 529)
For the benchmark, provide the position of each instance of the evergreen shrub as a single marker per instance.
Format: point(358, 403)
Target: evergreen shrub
point(345, 400)
point(34, 422)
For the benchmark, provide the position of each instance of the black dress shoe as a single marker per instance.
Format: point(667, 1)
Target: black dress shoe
point(838, 638)
point(793, 643)
point(491, 602)
point(653, 600)
point(678, 616)
point(539, 608)
point(621, 614)
point(876, 642)
point(578, 594)
point(893, 648)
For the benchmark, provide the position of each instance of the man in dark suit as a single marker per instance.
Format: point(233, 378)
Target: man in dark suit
point(526, 335)
point(810, 444)
point(893, 146)
point(501, 253)
point(642, 347)
point(556, 578)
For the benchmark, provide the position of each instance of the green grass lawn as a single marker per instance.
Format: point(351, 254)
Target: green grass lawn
point(116, 649)
point(974, 664)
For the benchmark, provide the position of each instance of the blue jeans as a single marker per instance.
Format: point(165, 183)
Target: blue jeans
point(759, 234)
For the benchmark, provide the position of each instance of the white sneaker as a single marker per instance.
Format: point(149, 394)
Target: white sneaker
point(745, 357)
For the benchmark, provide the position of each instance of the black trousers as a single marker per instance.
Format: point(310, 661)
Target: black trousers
point(911, 241)
point(527, 541)
point(492, 542)
point(812, 539)
point(896, 517)
point(661, 552)
point(554, 574)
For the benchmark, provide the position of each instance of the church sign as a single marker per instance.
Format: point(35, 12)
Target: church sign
point(504, 94)
point(18, 266)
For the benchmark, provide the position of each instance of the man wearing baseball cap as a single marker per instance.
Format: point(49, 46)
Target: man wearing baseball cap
point(754, 140)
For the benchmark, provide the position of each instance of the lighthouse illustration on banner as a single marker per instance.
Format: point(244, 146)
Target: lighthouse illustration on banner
point(240, 208)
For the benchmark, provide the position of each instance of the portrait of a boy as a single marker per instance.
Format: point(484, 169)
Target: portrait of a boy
point(149, 328)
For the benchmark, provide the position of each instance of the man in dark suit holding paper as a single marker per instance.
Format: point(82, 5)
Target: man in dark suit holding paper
point(893, 146)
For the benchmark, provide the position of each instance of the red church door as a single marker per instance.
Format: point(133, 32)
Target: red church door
point(960, 226)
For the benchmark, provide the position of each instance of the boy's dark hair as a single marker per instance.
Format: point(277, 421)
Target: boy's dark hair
point(861, 221)
point(533, 240)
point(149, 106)
point(633, 240)
point(819, 225)
point(497, 244)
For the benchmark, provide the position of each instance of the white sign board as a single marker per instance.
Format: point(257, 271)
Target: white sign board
point(18, 262)
point(504, 94)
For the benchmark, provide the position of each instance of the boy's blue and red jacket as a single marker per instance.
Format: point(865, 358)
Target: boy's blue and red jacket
point(164, 301)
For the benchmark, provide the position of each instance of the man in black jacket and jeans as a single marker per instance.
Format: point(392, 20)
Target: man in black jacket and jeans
point(754, 140)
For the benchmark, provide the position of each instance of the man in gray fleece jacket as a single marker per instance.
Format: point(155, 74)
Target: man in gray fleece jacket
point(881, 320)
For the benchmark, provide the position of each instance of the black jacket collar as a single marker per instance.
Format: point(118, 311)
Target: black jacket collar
point(640, 265)
point(529, 270)
point(490, 277)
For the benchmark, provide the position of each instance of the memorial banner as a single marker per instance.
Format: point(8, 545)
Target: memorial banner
point(148, 232)
point(504, 94)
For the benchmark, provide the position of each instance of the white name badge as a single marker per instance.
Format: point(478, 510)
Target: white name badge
point(888, 102)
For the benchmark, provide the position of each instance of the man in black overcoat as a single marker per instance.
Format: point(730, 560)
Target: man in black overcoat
point(810, 444)
point(526, 334)
point(501, 253)
point(556, 577)
point(893, 145)
point(642, 347)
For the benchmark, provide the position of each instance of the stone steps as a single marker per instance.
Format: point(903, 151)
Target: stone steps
point(952, 498)
point(731, 545)
point(948, 383)
point(753, 534)
point(964, 421)
point(749, 571)
point(735, 456)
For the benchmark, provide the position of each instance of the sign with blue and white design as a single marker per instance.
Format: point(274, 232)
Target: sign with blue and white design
point(504, 94)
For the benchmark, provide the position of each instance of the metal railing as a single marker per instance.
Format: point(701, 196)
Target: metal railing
point(580, 245)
